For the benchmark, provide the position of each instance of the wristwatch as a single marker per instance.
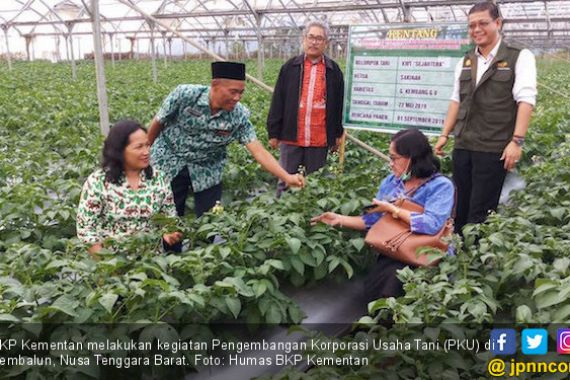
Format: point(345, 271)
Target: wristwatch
point(518, 140)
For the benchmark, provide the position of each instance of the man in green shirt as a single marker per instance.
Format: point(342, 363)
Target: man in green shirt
point(190, 132)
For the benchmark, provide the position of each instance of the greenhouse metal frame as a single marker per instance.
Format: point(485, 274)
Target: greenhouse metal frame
point(232, 29)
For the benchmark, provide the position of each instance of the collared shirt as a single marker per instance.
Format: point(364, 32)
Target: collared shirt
point(436, 197)
point(524, 88)
point(311, 120)
point(107, 210)
point(192, 137)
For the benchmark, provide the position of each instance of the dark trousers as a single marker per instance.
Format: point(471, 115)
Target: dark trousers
point(203, 200)
point(479, 178)
point(291, 156)
point(381, 280)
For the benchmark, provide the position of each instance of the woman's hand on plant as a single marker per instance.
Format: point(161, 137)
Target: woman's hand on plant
point(172, 238)
point(330, 218)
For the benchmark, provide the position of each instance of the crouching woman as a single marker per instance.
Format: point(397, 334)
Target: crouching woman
point(415, 176)
point(120, 199)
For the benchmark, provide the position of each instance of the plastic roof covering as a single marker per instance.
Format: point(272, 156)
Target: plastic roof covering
point(536, 24)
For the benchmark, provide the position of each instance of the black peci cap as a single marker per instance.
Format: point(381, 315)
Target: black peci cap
point(228, 70)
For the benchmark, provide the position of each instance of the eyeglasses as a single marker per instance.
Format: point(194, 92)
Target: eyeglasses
point(315, 39)
point(395, 157)
point(481, 24)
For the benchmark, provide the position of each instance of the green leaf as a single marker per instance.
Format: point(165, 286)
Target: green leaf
point(523, 314)
point(545, 286)
point(108, 300)
point(294, 244)
point(550, 298)
point(8, 318)
point(561, 264)
point(197, 299)
point(277, 264)
point(295, 313)
point(561, 315)
point(57, 264)
point(225, 252)
point(260, 287)
point(308, 259)
point(348, 268)
point(357, 243)
point(366, 320)
point(320, 271)
point(234, 305)
point(333, 263)
point(273, 315)
point(322, 203)
point(558, 213)
point(377, 305)
point(297, 264)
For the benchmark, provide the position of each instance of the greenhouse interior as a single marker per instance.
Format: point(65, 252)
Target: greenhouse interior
point(396, 203)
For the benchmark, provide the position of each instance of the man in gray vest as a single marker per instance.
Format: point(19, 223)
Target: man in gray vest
point(489, 113)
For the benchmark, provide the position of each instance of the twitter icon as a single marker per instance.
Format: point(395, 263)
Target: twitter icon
point(534, 341)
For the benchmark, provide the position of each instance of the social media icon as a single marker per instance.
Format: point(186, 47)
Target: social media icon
point(534, 341)
point(563, 341)
point(503, 341)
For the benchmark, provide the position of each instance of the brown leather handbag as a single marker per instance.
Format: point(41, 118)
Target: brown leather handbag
point(392, 237)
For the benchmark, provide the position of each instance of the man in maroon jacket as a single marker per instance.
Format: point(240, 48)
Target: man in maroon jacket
point(305, 118)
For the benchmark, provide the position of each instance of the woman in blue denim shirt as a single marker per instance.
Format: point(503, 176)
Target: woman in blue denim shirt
point(413, 166)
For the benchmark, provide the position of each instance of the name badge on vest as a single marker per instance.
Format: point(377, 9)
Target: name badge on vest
point(192, 112)
point(503, 65)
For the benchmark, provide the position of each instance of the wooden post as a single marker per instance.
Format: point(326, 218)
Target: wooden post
point(153, 52)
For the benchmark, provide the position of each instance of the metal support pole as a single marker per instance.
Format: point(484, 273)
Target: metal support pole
point(260, 53)
point(8, 57)
point(28, 39)
point(153, 52)
point(132, 51)
point(169, 40)
point(71, 52)
point(111, 42)
point(66, 39)
point(100, 68)
point(164, 48)
point(227, 34)
point(57, 49)
point(33, 50)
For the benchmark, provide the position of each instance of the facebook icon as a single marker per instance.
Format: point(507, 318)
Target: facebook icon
point(503, 341)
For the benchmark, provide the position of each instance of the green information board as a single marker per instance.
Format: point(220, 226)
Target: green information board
point(401, 76)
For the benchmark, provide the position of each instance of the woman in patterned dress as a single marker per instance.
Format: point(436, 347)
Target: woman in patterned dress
point(119, 199)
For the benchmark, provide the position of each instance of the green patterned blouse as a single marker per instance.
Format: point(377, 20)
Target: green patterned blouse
point(114, 211)
point(192, 137)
